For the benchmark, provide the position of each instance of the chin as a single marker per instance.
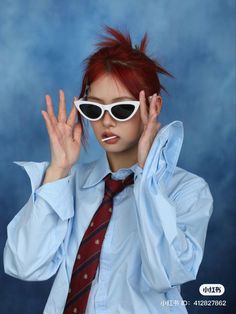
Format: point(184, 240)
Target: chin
point(113, 149)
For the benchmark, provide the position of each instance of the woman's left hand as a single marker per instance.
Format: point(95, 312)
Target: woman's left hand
point(150, 123)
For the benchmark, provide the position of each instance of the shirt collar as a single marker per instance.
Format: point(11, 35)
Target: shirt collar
point(95, 171)
point(98, 169)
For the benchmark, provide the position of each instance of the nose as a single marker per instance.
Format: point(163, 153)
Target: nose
point(107, 119)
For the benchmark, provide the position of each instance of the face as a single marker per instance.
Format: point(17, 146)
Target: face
point(108, 90)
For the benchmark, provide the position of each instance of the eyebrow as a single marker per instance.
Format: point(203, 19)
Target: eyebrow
point(114, 99)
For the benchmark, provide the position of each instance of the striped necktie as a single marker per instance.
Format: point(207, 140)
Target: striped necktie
point(87, 258)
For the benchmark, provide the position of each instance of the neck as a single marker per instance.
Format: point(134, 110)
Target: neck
point(123, 159)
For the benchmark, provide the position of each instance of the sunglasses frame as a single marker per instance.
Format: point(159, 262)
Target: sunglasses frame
point(107, 107)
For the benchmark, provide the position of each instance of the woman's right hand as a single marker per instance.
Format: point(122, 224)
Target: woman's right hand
point(64, 135)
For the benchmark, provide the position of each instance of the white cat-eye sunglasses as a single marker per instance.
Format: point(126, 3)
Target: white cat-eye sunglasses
point(120, 111)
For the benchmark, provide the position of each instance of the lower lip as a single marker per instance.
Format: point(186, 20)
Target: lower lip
point(112, 140)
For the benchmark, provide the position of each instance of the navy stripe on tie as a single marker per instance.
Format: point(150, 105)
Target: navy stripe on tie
point(87, 262)
point(78, 295)
point(92, 234)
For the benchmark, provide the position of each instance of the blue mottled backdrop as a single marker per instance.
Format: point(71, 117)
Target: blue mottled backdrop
point(42, 46)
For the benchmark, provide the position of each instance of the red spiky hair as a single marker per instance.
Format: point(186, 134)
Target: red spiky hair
point(130, 65)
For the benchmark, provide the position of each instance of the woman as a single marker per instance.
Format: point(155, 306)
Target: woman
point(125, 231)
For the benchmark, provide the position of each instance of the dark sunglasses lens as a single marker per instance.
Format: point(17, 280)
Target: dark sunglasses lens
point(122, 111)
point(91, 111)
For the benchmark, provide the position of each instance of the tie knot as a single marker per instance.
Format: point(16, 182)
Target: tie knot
point(112, 187)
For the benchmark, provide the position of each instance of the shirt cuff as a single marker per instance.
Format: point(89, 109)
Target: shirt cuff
point(35, 171)
point(58, 194)
point(164, 152)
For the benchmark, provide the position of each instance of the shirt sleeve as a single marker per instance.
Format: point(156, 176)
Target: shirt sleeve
point(37, 236)
point(172, 226)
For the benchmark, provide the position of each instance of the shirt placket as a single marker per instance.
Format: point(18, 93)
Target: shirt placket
point(105, 264)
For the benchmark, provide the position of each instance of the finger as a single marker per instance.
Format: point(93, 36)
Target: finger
point(72, 116)
point(152, 110)
point(50, 128)
point(143, 107)
point(50, 109)
point(62, 107)
point(77, 133)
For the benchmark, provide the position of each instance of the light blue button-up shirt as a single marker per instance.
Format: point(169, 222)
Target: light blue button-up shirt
point(153, 244)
